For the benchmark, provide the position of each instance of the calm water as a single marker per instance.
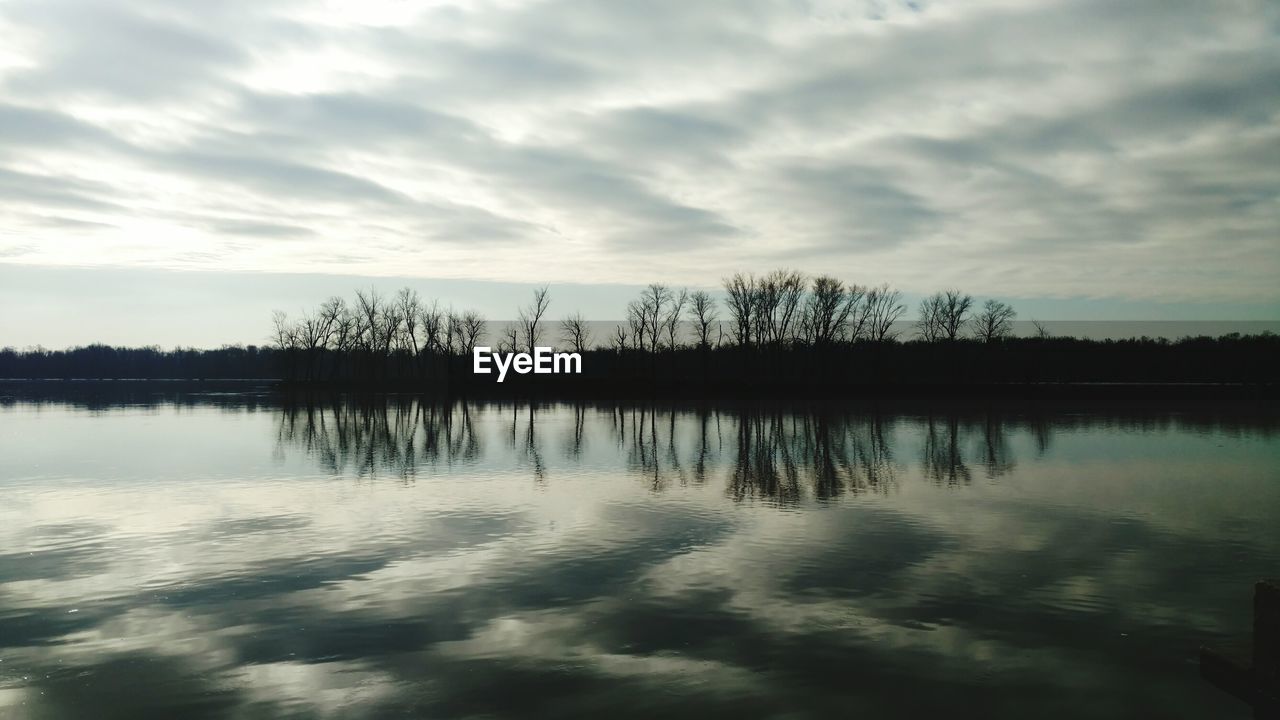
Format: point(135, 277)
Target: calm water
point(231, 556)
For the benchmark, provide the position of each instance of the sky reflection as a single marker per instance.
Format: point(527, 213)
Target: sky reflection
point(344, 557)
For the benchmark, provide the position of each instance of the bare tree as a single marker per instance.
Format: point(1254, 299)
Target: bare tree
point(510, 338)
point(345, 337)
point(531, 317)
point(704, 315)
point(433, 321)
point(315, 333)
point(741, 291)
point(574, 332)
point(780, 293)
point(409, 308)
point(619, 338)
point(944, 314)
point(929, 325)
point(765, 302)
point(369, 313)
point(673, 318)
point(331, 312)
point(995, 322)
point(858, 316)
point(389, 328)
point(344, 330)
point(284, 334)
point(828, 308)
point(884, 307)
point(955, 312)
point(637, 320)
point(452, 333)
point(652, 301)
point(473, 329)
point(310, 334)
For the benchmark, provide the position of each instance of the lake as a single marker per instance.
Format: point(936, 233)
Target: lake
point(171, 552)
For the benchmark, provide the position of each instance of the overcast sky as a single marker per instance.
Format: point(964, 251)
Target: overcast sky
point(1099, 152)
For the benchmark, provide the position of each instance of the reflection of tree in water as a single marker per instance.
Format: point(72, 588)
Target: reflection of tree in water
point(524, 441)
point(764, 452)
point(648, 442)
point(1041, 430)
point(531, 451)
point(945, 440)
point(775, 453)
point(875, 455)
point(943, 461)
point(366, 436)
point(997, 457)
point(705, 446)
point(573, 442)
point(765, 460)
point(848, 454)
point(778, 454)
point(654, 442)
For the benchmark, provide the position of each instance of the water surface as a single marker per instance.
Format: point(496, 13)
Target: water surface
point(234, 555)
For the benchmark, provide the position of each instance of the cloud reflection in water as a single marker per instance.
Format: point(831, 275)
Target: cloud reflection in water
point(348, 557)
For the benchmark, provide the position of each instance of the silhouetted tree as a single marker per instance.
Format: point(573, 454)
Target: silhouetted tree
point(531, 316)
point(943, 315)
point(453, 344)
point(816, 329)
point(929, 325)
point(653, 303)
point(741, 301)
point(369, 312)
point(778, 297)
point(995, 322)
point(473, 330)
point(703, 307)
point(283, 334)
point(434, 324)
point(574, 332)
point(409, 309)
point(883, 308)
point(828, 309)
point(671, 322)
point(637, 315)
point(510, 338)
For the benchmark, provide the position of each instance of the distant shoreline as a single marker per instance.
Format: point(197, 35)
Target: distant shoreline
point(1143, 393)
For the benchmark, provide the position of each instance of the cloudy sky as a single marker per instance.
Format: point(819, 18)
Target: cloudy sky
point(1121, 158)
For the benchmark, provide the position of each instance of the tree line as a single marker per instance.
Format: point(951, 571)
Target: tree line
point(780, 327)
point(783, 307)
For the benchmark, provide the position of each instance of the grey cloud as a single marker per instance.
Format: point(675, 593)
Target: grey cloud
point(121, 49)
point(1234, 92)
point(23, 127)
point(560, 176)
point(529, 72)
point(820, 130)
point(863, 207)
point(69, 223)
point(260, 229)
point(18, 188)
point(677, 135)
point(353, 120)
point(279, 177)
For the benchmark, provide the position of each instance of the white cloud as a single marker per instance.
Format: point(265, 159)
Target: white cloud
point(1051, 148)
